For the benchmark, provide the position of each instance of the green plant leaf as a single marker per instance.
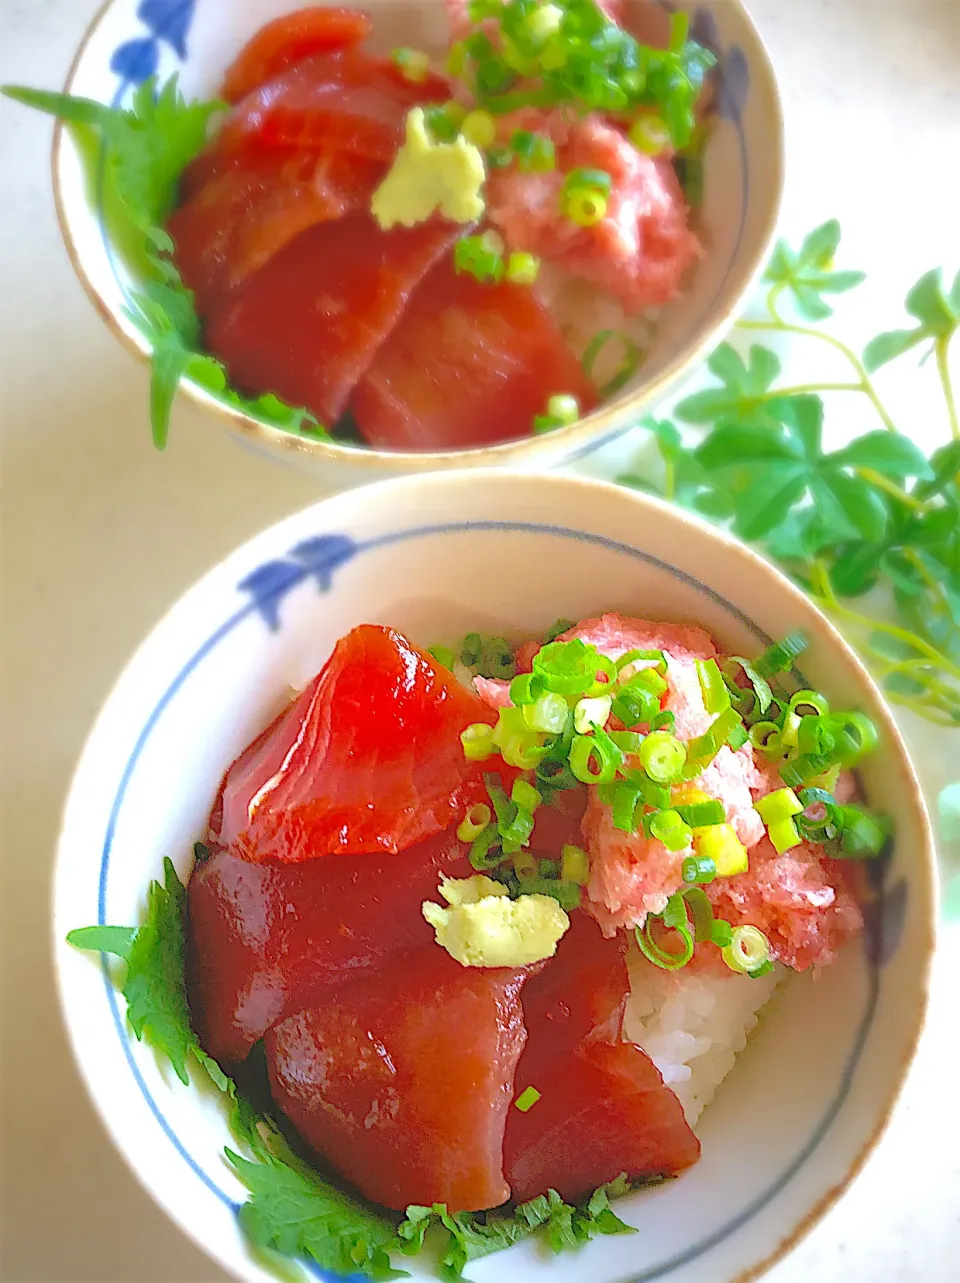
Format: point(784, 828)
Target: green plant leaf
point(745, 389)
point(808, 274)
point(937, 312)
point(731, 446)
point(772, 489)
point(887, 347)
point(849, 504)
point(888, 453)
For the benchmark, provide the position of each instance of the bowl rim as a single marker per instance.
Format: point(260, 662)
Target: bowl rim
point(597, 429)
point(924, 856)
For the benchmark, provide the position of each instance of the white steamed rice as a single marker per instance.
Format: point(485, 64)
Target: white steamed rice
point(693, 1025)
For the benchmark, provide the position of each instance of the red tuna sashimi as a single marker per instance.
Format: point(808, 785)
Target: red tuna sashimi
point(267, 939)
point(233, 224)
point(290, 39)
point(367, 759)
point(307, 325)
point(348, 101)
point(603, 1108)
point(403, 1083)
point(603, 1111)
point(469, 364)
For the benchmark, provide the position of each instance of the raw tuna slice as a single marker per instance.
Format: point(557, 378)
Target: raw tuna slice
point(367, 759)
point(267, 939)
point(468, 365)
point(603, 1108)
point(307, 325)
point(403, 1082)
point(237, 221)
point(348, 101)
point(290, 39)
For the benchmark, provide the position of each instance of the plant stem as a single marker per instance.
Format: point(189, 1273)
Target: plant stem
point(943, 369)
point(864, 384)
point(891, 488)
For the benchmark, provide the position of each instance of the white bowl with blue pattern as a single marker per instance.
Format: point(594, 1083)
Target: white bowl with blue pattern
point(503, 553)
point(131, 40)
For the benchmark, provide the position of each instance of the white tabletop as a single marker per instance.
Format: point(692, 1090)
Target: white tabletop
point(101, 535)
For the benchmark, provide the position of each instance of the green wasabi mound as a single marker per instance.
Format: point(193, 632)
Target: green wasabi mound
point(483, 927)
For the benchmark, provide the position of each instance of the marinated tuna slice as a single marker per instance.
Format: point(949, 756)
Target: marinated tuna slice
point(308, 324)
point(602, 1111)
point(291, 39)
point(267, 939)
point(603, 1108)
point(347, 101)
point(237, 221)
point(402, 1083)
point(367, 759)
point(494, 349)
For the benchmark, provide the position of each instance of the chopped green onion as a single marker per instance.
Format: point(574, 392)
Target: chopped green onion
point(628, 365)
point(721, 933)
point(698, 869)
point(701, 815)
point(574, 865)
point(584, 206)
point(556, 628)
point(441, 124)
point(727, 726)
point(861, 834)
point(701, 910)
point(568, 667)
point(517, 833)
point(762, 970)
point(752, 700)
point(716, 697)
point(485, 850)
point(663, 757)
point(443, 655)
point(548, 713)
point(625, 800)
point(544, 21)
point(748, 949)
point(566, 894)
point(627, 741)
point(591, 760)
point(496, 659)
point(526, 866)
point(650, 135)
point(777, 806)
point(525, 796)
point(779, 657)
point(668, 827)
point(518, 745)
point(478, 743)
point(589, 713)
point(414, 65)
point(806, 703)
point(527, 1099)
point(665, 720)
point(784, 836)
point(471, 648)
point(856, 737)
point(594, 179)
point(473, 822)
point(634, 707)
point(526, 688)
point(472, 256)
point(523, 269)
point(654, 658)
point(647, 679)
point(765, 736)
point(737, 736)
point(534, 152)
point(479, 128)
point(565, 408)
point(675, 918)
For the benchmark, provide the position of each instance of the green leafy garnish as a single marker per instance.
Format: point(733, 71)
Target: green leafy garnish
point(294, 1212)
point(145, 148)
point(878, 515)
point(468, 1236)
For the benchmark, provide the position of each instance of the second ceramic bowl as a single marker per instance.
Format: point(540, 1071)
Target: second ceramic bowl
point(196, 39)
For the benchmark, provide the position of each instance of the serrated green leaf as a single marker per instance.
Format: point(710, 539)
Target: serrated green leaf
point(887, 347)
point(168, 363)
point(115, 940)
point(889, 453)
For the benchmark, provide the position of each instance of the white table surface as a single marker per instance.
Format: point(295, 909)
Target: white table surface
point(100, 535)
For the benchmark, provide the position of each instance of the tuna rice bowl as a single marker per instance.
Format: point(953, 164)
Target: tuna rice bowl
point(478, 931)
point(424, 249)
